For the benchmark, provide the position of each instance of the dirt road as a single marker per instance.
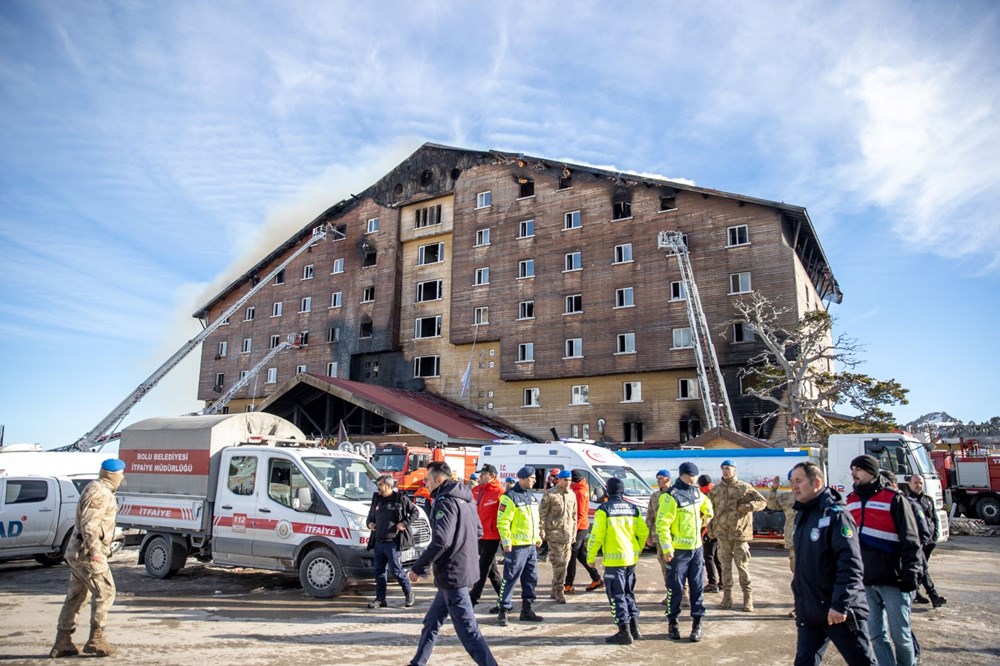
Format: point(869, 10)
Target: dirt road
point(209, 615)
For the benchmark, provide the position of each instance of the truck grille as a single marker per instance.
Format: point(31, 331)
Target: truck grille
point(421, 531)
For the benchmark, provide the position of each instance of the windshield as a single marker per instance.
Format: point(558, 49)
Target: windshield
point(923, 459)
point(344, 478)
point(634, 485)
point(389, 462)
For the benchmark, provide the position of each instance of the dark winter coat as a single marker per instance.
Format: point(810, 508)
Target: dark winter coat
point(828, 568)
point(931, 515)
point(454, 549)
point(386, 513)
point(896, 563)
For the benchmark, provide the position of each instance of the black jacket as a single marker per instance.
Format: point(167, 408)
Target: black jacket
point(828, 569)
point(901, 566)
point(926, 503)
point(386, 512)
point(454, 549)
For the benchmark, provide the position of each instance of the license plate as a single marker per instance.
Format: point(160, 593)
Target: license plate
point(408, 555)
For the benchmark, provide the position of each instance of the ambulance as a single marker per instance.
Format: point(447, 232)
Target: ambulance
point(597, 464)
point(250, 490)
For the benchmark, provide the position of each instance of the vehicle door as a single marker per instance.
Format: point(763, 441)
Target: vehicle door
point(235, 506)
point(278, 525)
point(28, 513)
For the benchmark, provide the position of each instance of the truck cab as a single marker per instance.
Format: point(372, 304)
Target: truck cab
point(407, 464)
point(901, 453)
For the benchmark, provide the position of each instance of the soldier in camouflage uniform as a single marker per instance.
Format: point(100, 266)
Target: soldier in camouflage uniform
point(663, 482)
point(87, 555)
point(557, 517)
point(734, 502)
point(784, 502)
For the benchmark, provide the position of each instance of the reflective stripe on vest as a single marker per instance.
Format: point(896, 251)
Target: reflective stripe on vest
point(874, 519)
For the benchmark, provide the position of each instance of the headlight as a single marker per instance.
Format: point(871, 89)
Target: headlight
point(356, 521)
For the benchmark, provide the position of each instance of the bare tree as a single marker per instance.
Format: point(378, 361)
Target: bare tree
point(806, 372)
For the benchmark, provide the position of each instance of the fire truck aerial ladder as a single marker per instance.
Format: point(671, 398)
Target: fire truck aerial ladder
point(118, 414)
point(216, 407)
point(714, 398)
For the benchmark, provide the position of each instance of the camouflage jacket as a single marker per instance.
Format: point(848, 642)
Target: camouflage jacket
point(734, 502)
point(94, 529)
point(557, 515)
point(784, 502)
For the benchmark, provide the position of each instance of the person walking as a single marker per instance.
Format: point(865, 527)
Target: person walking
point(89, 572)
point(713, 567)
point(619, 533)
point(682, 512)
point(915, 490)
point(453, 556)
point(890, 550)
point(520, 535)
point(734, 502)
point(827, 582)
point(578, 551)
point(557, 517)
point(389, 519)
point(663, 482)
point(487, 497)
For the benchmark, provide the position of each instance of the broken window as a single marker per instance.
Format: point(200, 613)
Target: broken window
point(532, 397)
point(370, 257)
point(526, 188)
point(427, 327)
point(668, 200)
point(428, 291)
point(689, 428)
point(304, 338)
point(621, 210)
point(427, 217)
point(223, 348)
point(365, 330)
point(565, 179)
point(331, 369)
point(220, 381)
point(430, 254)
point(307, 272)
point(632, 431)
point(427, 366)
point(338, 232)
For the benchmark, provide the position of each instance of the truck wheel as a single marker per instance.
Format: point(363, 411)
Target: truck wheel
point(988, 509)
point(321, 573)
point(160, 558)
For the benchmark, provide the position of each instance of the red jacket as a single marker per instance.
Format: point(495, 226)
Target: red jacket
point(487, 500)
point(582, 490)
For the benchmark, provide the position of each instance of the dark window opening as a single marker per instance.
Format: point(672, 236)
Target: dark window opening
point(220, 381)
point(668, 202)
point(690, 428)
point(455, 173)
point(366, 330)
point(566, 179)
point(426, 217)
point(753, 425)
point(280, 277)
point(426, 177)
point(526, 189)
point(333, 335)
point(632, 431)
point(339, 232)
point(621, 210)
point(303, 338)
point(369, 260)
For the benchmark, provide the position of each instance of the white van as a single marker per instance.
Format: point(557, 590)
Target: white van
point(596, 463)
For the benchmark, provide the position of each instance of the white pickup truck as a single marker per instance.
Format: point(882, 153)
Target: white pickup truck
point(249, 490)
point(37, 515)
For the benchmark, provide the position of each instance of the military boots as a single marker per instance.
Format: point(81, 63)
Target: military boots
point(696, 630)
point(97, 645)
point(623, 637)
point(673, 630)
point(727, 600)
point(747, 601)
point(633, 627)
point(64, 646)
point(528, 615)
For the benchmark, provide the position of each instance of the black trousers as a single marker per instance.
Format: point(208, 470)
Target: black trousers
point(926, 578)
point(487, 568)
point(578, 553)
point(854, 647)
point(713, 566)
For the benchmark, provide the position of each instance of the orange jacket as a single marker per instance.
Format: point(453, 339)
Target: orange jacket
point(582, 491)
point(487, 500)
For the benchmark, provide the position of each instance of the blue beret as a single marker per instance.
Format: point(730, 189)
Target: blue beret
point(663, 472)
point(565, 474)
point(509, 479)
point(473, 476)
point(525, 472)
point(728, 463)
point(113, 465)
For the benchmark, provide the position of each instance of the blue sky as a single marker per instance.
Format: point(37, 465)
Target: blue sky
point(150, 152)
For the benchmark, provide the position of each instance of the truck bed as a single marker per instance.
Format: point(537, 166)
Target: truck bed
point(180, 513)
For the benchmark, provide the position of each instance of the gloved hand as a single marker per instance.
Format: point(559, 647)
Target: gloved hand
point(908, 585)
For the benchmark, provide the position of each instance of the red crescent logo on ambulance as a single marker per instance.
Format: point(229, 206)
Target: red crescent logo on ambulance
point(596, 455)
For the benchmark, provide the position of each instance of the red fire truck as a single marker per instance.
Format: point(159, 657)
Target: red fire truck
point(971, 480)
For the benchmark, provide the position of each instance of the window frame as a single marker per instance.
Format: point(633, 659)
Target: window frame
point(418, 361)
point(368, 294)
point(739, 279)
point(336, 299)
point(573, 304)
point(632, 391)
point(572, 220)
point(581, 391)
point(372, 228)
point(439, 289)
point(305, 304)
point(577, 348)
point(679, 330)
point(523, 226)
point(277, 308)
point(622, 343)
point(680, 293)
point(531, 398)
point(250, 313)
point(338, 266)
point(482, 276)
point(522, 266)
point(482, 237)
point(481, 316)
point(422, 254)
point(308, 272)
point(693, 390)
point(522, 307)
point(735, 230)
point(417, 326)
point(620, 297)
point(624, 254)
point(570, 261)
point(484, 199)
point(525, 352)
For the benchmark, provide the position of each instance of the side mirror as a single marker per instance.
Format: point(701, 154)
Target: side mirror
point(303, 499)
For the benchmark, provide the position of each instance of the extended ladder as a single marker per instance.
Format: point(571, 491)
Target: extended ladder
point(714, 397)
point(216, 407)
